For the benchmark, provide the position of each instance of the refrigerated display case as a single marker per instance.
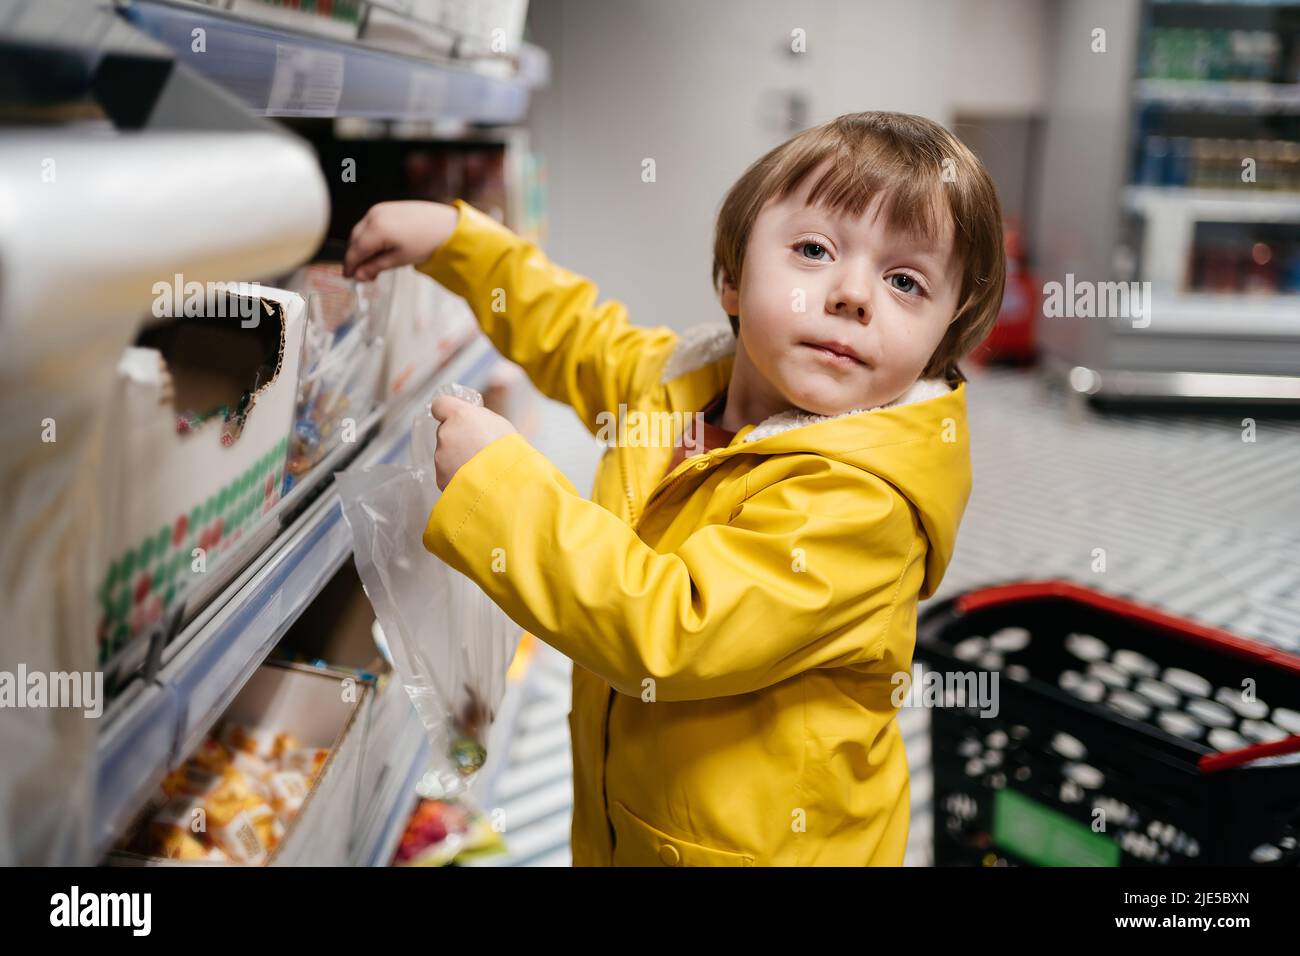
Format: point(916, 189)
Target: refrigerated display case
point(1202, 215)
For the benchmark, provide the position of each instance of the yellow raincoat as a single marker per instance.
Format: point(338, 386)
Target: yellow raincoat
point(735, 626)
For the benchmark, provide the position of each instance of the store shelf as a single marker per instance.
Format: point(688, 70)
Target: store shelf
point(1170, 217)
point(277, 71)
point(1217, 205)
point(1128, 384)
point(410, 755)
point(1226, 313)
point(1227, 95)
point(152, 727)
point(1224, 3)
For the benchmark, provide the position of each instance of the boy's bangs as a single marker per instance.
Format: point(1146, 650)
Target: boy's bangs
point(915, 203)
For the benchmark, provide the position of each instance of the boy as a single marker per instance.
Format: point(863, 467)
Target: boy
point(736, 616)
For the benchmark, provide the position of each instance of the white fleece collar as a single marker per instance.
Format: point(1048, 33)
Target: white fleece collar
point(705, 344)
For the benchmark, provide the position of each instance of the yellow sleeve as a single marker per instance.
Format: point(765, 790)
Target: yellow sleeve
point(805, 575)
point(546, 319)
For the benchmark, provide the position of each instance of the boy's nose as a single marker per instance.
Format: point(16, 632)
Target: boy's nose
point(851, 303)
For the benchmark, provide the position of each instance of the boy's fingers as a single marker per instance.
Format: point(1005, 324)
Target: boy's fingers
point(364, 243)
point(351, 257)
point(444, 406)
point(371, 267)
point(361, 225)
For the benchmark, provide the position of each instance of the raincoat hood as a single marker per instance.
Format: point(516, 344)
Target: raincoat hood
point(918, 442)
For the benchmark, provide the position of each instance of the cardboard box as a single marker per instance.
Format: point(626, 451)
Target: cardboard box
point(311, 704)
point(321, 710)
point(426, 325)
point(180, 481)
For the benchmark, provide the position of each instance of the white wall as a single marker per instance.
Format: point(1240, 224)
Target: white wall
point(692, 84)
point(998, 62)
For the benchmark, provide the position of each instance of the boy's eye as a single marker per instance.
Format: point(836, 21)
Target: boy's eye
point(816, 249)
point(910, 284)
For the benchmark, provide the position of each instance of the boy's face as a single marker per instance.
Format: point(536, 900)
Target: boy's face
point(883, 297)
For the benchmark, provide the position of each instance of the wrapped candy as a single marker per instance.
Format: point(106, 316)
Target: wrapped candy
point(251, 740)
point(171, 832)
point(467, 751)
point(212, 755)
point(289, 789)
point(233, 799)
point(306, 761)
point(239, 838)
point(285, 743)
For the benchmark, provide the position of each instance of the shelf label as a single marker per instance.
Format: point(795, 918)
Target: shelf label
point(306, 83)
point(427, 95)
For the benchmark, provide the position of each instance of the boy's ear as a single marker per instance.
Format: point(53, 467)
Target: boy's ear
point(730, 298)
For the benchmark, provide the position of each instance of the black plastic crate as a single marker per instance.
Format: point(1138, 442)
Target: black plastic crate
point(1105, 749)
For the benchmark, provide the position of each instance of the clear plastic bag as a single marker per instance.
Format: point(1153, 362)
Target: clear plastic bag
point(342, 358)
point(450, 645)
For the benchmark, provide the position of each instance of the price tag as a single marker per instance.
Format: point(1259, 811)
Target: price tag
point(427, 95)
point(306, 82)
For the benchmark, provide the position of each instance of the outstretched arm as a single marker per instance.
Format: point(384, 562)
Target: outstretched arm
point(546, 318)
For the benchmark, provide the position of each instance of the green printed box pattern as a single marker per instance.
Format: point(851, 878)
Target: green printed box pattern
point(144, 582)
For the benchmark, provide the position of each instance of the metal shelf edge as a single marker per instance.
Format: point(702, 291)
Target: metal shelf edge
point(279, 72)
point(1242, 205)
point(388, 820)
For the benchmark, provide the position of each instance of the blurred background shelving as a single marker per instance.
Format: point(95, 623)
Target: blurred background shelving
point(1210, 208)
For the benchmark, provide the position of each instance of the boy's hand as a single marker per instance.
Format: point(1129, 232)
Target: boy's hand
point(463, 431)
point(395, 234)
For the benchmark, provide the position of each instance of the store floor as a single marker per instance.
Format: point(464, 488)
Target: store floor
point(1190, 518)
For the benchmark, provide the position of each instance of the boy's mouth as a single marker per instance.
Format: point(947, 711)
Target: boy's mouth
point(837, 352)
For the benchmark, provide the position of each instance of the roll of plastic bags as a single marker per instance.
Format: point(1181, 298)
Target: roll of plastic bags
point(450, 645)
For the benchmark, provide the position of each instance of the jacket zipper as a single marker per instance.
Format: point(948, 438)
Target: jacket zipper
point(672, 483)
point(659, 492)
point(609, 693)
point(627, 489)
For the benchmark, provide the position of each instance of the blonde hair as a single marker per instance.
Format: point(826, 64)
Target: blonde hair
point(922, 169)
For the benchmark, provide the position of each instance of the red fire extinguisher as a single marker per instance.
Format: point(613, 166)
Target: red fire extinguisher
point(1012, 341)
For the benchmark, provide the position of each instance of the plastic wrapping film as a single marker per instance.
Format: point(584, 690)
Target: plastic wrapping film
point(53, 445)
point(72, 299)
point(450, 645)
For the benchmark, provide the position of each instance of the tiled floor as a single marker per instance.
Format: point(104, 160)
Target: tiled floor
point(1191, 518)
